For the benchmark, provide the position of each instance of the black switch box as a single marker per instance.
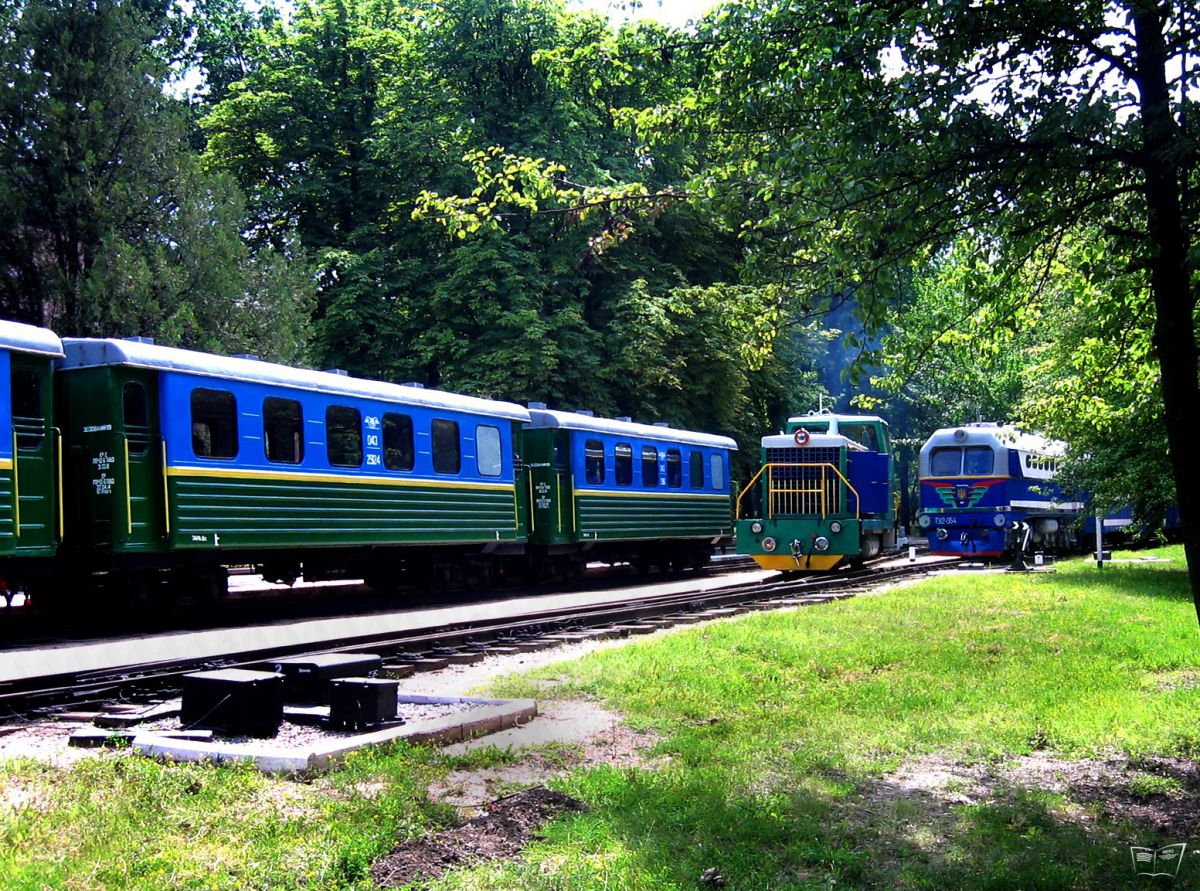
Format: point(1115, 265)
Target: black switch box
point(306, 678)
point(355, 703)
point(233, 702)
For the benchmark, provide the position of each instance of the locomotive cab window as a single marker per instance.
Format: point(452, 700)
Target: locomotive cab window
point(447, 451)
point(978, 459)
point(674, 468)
point(134, 415)
point(214, 424)
point(863, 434)
point(593, 461)
point(488, 454)
point(29, 420)
point(696, 470)
point(283, 430)
point(623, 464)
point(718, 471)
point(343, 436)
point(945, 462)
point(649, 466)
point(398, 453)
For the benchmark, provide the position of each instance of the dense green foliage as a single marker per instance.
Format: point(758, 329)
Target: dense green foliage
point(941, 211)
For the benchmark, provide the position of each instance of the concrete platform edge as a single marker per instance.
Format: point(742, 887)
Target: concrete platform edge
point(486, 716)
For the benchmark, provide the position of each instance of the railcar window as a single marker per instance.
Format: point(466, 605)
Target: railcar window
point(29, 421)
point(487, 450)
point(283, 430)
point(593, 461)
point(343, 436)
point(649, 466)
point(978, 459)
point(623, 464)
point(137, 427)
point(718, 471)
point(696, 470)
point(447, 450)
point(214, 424)
point(674, 468)
point(398, 453)
point(945, 461)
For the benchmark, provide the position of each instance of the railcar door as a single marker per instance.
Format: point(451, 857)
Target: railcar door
point(35, 455)
point(141, 449)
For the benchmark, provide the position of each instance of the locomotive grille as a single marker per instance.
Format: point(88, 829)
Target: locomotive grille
point(813, 488)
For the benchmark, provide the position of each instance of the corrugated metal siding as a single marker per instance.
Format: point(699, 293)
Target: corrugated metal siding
point(609, 517)
point(253, 513)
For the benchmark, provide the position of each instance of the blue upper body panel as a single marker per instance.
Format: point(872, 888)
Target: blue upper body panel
point(20, 338)
point(175, 391)
point(655, 481)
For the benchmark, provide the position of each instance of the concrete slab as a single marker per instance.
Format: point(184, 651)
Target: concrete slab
point(485, 716)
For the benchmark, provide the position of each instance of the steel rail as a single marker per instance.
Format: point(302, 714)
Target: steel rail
point(88, 686)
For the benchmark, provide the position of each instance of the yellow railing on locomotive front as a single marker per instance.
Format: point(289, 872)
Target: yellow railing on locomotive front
point(806, 496)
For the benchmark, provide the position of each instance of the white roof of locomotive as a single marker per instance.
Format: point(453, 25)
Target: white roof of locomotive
point(815, 441)
point(996, 435)
point(826, 417)
point(29, 339)
point(569, 420)
point(89, 353)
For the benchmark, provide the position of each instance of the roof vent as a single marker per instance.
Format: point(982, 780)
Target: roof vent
point(587, 413)
point(340, 372)
point(139, 339)
point(250, 356)
point(414, 384)
point(536, 405)
point(661, 424)
point(625, 420)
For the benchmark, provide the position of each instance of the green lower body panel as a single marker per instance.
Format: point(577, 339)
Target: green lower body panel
point(614, 517)
point(254, 513)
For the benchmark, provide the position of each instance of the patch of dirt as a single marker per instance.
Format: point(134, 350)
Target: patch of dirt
point(505, 827)
point(1093, 790)
point(564, 735)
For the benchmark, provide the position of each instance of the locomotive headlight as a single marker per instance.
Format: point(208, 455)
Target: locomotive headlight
point(821, 543)
point(943, 534)
point(768, 544)
point(999, 520)
point(835, 527)
point(924, 521)
point(756, 527)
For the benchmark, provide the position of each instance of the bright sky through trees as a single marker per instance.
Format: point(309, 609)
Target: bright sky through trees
point(670, 12)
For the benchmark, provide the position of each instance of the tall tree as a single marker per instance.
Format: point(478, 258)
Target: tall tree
point(107, 223)
point(873, 133)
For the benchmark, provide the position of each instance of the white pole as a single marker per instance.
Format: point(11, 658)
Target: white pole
point(1099, 539)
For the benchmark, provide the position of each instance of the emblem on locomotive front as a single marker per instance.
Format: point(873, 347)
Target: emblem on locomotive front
point(962, 494)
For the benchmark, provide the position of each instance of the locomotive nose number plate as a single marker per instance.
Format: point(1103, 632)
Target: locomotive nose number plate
point(943, 521)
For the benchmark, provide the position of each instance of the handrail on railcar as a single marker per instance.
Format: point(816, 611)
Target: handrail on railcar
point(770, 469)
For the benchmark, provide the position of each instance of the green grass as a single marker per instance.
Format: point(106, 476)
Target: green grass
point(781, 729)
point(128, 822)
point(780, 737)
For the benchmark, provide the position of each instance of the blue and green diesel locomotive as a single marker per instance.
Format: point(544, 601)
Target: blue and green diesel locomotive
point(825, 495)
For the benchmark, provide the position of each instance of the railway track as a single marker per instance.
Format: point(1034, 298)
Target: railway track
point(432, 648)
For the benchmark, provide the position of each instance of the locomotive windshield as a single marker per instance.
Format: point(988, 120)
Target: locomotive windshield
point(957, 460)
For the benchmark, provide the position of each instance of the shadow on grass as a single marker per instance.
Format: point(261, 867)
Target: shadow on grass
point(822, 833)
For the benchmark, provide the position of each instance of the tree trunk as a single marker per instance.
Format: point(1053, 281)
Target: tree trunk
point(1163, 149)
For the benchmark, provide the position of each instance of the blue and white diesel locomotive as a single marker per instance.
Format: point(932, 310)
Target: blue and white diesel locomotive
point(984, 487)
